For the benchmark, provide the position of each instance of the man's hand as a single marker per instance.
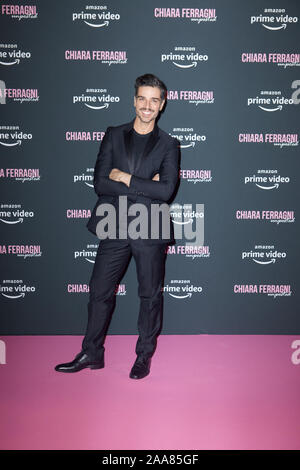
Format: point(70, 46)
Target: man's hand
point(121, 176)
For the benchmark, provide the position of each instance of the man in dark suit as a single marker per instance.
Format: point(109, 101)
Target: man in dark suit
point(138, 163)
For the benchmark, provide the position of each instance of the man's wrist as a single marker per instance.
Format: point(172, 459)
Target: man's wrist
point(125, 178)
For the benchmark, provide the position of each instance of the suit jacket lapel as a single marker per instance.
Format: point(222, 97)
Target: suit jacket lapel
point(128, 147)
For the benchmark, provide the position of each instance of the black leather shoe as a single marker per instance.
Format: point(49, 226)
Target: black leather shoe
point(80, 362)
point(141, 368)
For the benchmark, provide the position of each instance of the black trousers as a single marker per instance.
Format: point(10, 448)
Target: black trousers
point(113, 257)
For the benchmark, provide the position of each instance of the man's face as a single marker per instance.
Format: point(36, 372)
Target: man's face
point(148, 103)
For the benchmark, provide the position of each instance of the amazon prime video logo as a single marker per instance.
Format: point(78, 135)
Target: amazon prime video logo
point(184, 57)
point(96, 16)
point(182, 289)
point(15, 289)
point(12, 214)
point(12, 136)
point(187, 136)
point(12, 54)
point(95, 98)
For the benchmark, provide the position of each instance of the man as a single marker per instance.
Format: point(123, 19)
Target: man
point(140, 163)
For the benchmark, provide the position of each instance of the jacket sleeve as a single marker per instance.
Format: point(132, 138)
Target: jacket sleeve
point(104, 164)
point(168, 177)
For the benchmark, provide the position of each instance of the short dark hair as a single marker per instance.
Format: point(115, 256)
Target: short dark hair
point(148, 79)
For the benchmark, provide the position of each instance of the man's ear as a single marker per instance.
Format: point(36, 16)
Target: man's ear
point(162, 105)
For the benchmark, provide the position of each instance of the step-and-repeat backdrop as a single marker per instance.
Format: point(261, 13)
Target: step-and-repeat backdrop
point(67, 72)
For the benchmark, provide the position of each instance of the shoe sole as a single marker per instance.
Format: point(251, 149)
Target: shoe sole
point(140, 377)
point(69, 371)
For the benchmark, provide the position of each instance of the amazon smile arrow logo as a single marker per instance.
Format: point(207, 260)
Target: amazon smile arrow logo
point(193, 64)
point(20, 220)
point(274, 28)
point(268, 187)
point(97, 107)
point(190, 221)
point(17, 61)
point(14, 296)
point(106, 23)
point(181, 296)
point(264, 262)
point(11, 145)
point(279, 108)
point(192, 144)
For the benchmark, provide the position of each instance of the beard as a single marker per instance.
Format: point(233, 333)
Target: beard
point(146, 119)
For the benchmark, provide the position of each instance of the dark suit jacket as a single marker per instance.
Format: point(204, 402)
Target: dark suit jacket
point(161, 156)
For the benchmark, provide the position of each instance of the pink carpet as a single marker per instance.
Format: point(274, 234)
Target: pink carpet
point(203, 392)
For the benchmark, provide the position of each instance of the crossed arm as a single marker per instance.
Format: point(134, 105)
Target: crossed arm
point(112, 181)
point(123, 177)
